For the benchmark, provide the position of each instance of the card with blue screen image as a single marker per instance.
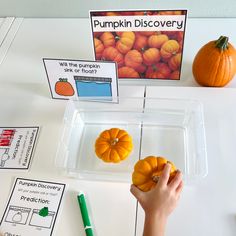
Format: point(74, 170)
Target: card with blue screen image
point(88, 80)
point(94, 86)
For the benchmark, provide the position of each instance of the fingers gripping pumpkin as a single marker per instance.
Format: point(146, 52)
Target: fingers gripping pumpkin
point(113, 145)
point(148, 171)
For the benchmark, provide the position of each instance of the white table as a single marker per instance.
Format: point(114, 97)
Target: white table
point(205, 209)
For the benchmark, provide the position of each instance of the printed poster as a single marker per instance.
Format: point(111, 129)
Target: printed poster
point(144, 44)
point(32, 208)
point(77, 79)
point(17, 146)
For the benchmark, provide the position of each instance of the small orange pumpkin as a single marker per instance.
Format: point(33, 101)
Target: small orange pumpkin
point(175, 61)
point(127, 72)
point(215, 63)
point(99, 47)
point(125, 42)
point(141, 68)
point(113, 145)
point(159, 70)
point(133, 59)
point(151, 56)
point(169, 48)
point(108, 39)
point(148, 171)
point(156, 41)
point(140, 43)
point(175, 75)
point(112, 54)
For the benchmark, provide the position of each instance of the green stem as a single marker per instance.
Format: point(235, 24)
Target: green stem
point(63, 79)
point(222, 43)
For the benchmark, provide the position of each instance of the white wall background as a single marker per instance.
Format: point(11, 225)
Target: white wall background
point(80, 8)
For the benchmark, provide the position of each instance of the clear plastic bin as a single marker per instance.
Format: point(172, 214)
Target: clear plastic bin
point(171, 128)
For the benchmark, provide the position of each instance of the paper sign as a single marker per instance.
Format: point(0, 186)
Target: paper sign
point(16, 146)
point(82, 79)
point(145, 44)
point(32, 208)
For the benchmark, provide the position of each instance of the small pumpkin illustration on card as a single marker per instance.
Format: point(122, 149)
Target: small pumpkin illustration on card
point(64, 88)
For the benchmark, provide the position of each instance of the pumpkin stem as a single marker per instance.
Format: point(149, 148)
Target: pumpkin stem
point(63, 79)
point(155, 178)
point(114, 141)
point(154, 67)
point(222, 42)
point(117, 37)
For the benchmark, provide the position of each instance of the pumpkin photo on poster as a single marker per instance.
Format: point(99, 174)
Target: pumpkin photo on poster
point(144, 44)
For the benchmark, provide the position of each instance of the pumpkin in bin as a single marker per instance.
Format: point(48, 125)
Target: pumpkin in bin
point(113, 145)
point(148, 171)
point(215, 63)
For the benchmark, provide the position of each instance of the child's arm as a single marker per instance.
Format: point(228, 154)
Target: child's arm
point(159, 202)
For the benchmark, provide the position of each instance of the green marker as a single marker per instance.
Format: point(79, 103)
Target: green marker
point(84, 212)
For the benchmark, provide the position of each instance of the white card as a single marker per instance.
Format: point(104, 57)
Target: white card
point(16, 147)
point(88, 80)
point(32, 208)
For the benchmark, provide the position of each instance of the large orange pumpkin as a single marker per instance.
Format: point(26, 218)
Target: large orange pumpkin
point(113, 145)
point(112, 54)
point(108, 39)
point(133, 59)
point(148, 171)
point(127, 72)
point(215, 63)
point(125, 42)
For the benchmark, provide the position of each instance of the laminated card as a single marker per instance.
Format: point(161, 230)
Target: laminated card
point(144, 44)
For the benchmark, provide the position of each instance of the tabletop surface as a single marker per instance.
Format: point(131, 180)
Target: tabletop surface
point(206, 208)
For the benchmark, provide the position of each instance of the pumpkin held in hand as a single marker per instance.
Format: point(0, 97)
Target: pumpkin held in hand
point(215, 63)
point(148, 171)
point(113, 145)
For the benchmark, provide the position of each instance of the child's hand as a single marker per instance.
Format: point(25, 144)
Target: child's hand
point(161, 200)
